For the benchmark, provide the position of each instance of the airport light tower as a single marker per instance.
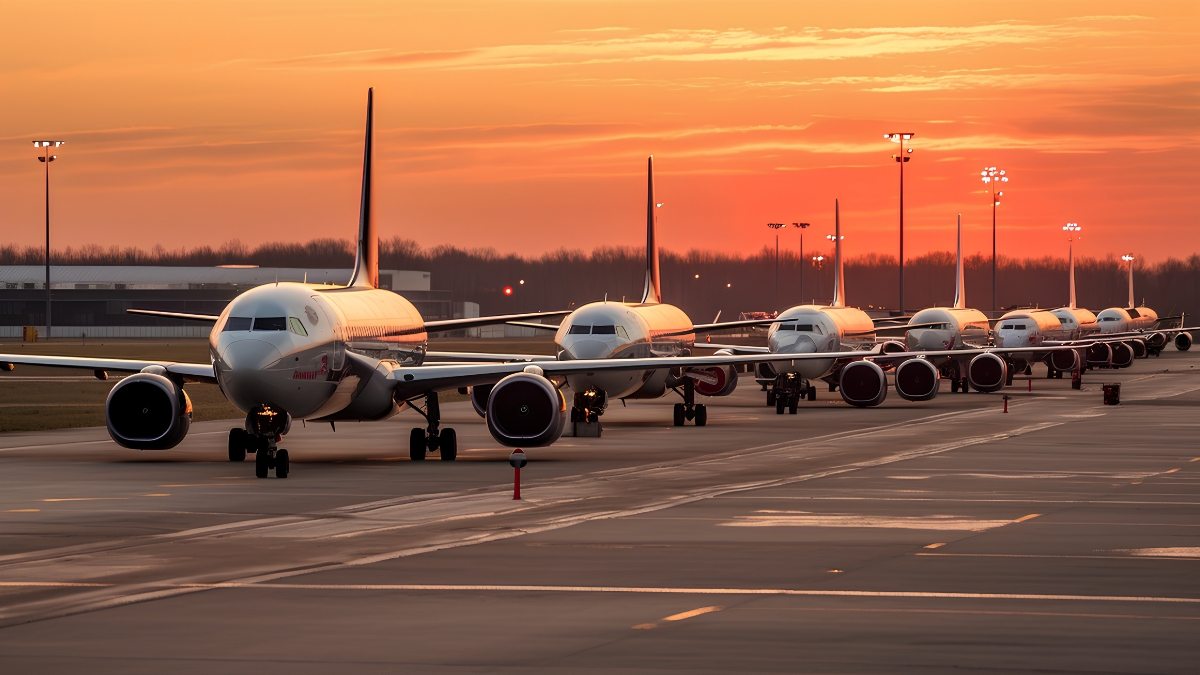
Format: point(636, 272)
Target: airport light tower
point(1128, 260)
point(994, 177)
point(45, 158)
point(1072, 230)
point(776, 227)
point(802, 227)
point(902, 158)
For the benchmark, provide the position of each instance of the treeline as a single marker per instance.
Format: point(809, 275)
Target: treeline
point(702, 282)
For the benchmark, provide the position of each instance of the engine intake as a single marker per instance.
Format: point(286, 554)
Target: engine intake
point(1183, 341)
point(1122, 354)
point(148, 411)
point(526, 410)
point(1064, 359)
point(1138, 346)
point(917, 380)
point(1156, 341)
point(479, 398)
point(987, 372)
point(1099, 354)
point(863, 384)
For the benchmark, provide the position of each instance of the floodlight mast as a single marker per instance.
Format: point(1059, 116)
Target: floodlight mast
point(901, 137)
point(993, 176)
point(45, 158)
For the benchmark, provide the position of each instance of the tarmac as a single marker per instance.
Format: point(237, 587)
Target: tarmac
point(942, 536)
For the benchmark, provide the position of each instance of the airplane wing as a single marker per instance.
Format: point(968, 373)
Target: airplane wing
point(474, 322)
point(210, 318)
point(533, 324)
point(193, 372)
point(710, 327)
point(889, 330)
point(736, 349)
point(482, 357)
point(417, 380)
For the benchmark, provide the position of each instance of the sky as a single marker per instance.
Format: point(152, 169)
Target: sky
point(525, 125)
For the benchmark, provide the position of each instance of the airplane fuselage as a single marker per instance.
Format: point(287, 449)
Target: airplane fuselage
point(1028, 328)
point(1077, 322)
point(1125, 319)
point(813, 329)
point(963, 328)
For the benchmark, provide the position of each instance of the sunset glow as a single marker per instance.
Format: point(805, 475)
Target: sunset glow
point(524, 126)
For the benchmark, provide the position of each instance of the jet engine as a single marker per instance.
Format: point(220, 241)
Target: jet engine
point(917, 380)
point(1122, 354)
point(1183, 341)
point(1064, 360)
point(716, 381)
point(893, 347)
point(1138, 346)
point(1156, 341)
point(863, 384)
point(479, 398)
point(148, 411)
point(987, 372)
point(1099, 354)
point(525, 409)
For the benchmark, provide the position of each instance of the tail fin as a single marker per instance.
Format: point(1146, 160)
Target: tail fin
point(653, 292)
point(839, 278)
point(960, 280)
point(1071, 273)
point(366, 261)
point(1131, 304)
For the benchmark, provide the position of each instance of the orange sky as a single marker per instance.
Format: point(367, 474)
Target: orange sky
point(524, 126)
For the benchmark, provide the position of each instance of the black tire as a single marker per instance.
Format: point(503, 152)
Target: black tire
point(812, 393)
point(262, 464)
point(954, 386)
point(678, 417)
point(701, 415)
point(449, 444)
point(794, 405)
point(779, 405)
point(770, 397)
point(283, 464)
point(237, 445)
point(416, 445)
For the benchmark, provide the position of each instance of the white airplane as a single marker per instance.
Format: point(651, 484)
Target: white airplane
point(1142, 325)
point(324, 353)
point(622, 330)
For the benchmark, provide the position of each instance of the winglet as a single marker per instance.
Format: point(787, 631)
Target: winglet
point(653, 291)
point(366, 261)
point(960, 284)
point(839, 279)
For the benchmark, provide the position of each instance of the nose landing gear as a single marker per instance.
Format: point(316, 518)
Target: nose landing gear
point(689, 409)
point(432, 438)
point(787, 391)
point(265, 428)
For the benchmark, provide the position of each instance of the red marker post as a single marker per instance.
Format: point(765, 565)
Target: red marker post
point(517, 460)
point(1006, 403)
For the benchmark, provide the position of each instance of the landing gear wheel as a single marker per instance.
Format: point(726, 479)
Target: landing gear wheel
point(416, 445)
point(678, 416)
point(794, 405)
point(770, 397)
point(812, 393)
point(262, 464)
point(701, 415)
point(449, 443)
point(954, 386)
point(282, 463)
point(779, 405)
point(237, 445)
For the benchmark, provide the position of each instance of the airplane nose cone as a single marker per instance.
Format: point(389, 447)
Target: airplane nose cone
point(587, 349)
point(248, 355)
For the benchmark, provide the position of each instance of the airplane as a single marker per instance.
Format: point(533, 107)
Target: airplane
point(1141, 323)
point(1080, 323)
point(621, 330)
point(325, 353)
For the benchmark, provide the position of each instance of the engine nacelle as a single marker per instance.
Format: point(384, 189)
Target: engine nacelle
point(1156, 341)
point(863, 384)
point(526, 410)
point(479, 398)
point(987, 372)
point(1183, 341)
point(148, 411)
point(1138, 346)
point(917, 380)
point(893, 347)
point(1099, 354)
point(1064, 360)
point(717, 381)
point(1122, 354)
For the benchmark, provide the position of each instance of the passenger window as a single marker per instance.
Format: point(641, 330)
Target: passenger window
point(580, 330)
point(604, 330)
point(270, 323)
point(297, 327)
point(237, 323)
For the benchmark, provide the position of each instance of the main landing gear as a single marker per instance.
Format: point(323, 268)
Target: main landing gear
point(689, 409)
point(586, 409)
point(432, 438)
point(264, 430)
point(787, 391)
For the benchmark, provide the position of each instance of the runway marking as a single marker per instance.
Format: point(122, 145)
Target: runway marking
point(85, 499)
point(768, 518)
point(934, 545)
point(1192, 552)
point(1028, 517)
point(1065, 556)
point(967, 500)
point(1175, 470)
point(836, 571)
point(157, 494)
point(1194, 459)
point(699, 611)
point(23, 511)
point(99, 441)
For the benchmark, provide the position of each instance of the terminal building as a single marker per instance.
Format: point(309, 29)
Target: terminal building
point(90, 300)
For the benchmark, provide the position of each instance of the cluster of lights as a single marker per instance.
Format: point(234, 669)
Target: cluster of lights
point(992, 175)
point(47, 157)
point(901, 137)
point(818, 261)
point(1127, 258)
point(1072, 230)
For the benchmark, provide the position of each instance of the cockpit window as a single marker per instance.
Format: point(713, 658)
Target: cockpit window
point(237, 323)
point(270, 323)
point(1013, 326)
point(604, 330)
point(801, 327)
point(579, 329)
point(297, 327)
point(1108, 318)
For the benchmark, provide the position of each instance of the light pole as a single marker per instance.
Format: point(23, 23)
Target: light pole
point(993, 176)
point(46, 158)
point(1128, 260)
point(901, 159)
point(802, 227)
point(818, 261)
point(776, 227)
point(1072, 230)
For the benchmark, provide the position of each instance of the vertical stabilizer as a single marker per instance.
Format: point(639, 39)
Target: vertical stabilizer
point(653, 292)
point(839, 279)
point(1071, 274)
point(1131, 304)
point(960, 278)
point(366, 261)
